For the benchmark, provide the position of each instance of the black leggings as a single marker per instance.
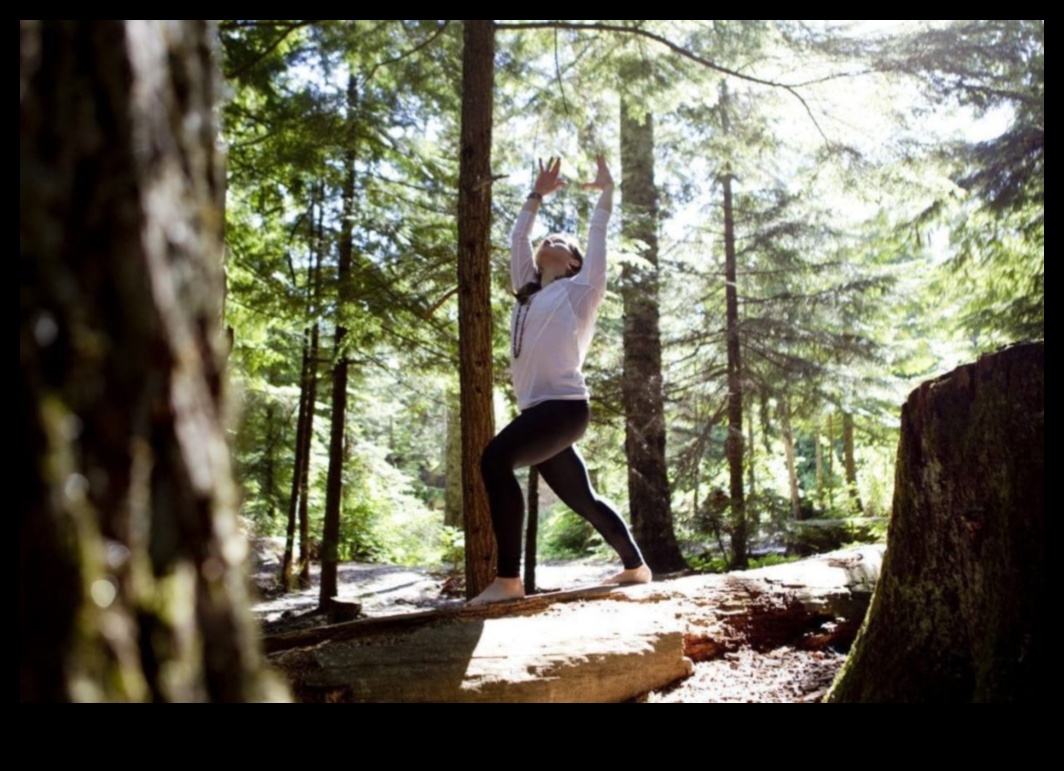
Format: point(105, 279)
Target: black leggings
point(543, 436)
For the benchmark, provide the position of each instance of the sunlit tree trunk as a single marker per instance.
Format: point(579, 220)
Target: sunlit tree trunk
point(288, 561)
point(334, 486)
point(131, 562)
point(821, 491)
point(850, 462)
point(644, 401)
point(754, 514)
point(452, 505)
point(734, 444)
point(792, 464)
point(474, 294)
point(829, 467)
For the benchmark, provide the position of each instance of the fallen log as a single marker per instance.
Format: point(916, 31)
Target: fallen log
point(603, 644)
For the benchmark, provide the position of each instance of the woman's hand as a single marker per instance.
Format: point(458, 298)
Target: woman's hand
point(549, 179)
point(603, 179)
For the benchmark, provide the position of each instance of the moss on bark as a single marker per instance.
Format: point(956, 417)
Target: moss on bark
point(957, 615)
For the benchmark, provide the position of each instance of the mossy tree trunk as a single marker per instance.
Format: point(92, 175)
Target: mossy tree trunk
point(131, 580)
point(958, 613)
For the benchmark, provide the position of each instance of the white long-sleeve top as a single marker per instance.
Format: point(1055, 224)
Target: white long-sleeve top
point(553, 330)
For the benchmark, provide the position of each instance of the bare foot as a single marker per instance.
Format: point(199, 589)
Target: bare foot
point(639, 575)
point(501, 590)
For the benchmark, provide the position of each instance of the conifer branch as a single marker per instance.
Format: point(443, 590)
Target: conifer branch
point(676, 48)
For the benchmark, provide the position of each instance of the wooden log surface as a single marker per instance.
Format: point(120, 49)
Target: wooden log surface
point(601, 644)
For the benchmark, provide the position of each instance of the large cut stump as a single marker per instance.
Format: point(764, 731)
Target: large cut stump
point(958, 613)
point(596, 645)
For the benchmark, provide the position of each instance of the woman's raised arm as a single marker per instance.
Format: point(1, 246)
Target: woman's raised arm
point(522, 261)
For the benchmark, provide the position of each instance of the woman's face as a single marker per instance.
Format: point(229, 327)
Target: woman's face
point(556, 254)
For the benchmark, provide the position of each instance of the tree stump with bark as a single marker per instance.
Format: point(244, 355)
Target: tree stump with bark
point(958, 614)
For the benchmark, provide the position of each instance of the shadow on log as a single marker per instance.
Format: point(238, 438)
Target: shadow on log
point(603, 644)
point(958, 615)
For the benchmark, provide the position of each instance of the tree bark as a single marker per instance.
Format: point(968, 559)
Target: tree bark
point(334, 486)
point(474, 295)
point(829, 468)
point(734, 444)
point(452, 507)
point(959, 613)
point(850, 462)
point(821, 488)
point(304, 469)
point(298, 511)
point(131, 580)
point(641, 385)
point(792, 463)
point(288, 579)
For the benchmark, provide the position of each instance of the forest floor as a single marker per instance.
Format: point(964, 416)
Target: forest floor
point(782, 676)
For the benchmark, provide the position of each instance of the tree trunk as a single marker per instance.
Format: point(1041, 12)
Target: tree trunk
point(829, 468)
point(474, 295)
point(131, 580)
point(288, 579)
point(452, 506)
point(304, 470)
point(753, 516)
point(733, 448)
point(308, 395)
point(821, 488)
point(959, 613)
point(334, 486)
point(850, 463)
point(644, 403)
point(792, 463)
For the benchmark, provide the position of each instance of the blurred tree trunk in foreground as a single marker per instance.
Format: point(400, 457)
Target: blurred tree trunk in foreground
point(958, 615)
point(131, 585)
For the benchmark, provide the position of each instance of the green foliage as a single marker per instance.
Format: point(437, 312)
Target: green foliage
point(452, 542)
point(383, 521)
point(997, 213)
point(566, 535)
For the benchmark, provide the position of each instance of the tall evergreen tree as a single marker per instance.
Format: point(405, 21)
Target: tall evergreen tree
point(642, 383)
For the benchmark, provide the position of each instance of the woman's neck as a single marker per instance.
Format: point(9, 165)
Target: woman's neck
point(548, 276)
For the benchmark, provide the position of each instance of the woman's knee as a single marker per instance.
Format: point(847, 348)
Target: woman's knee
point(495, 459)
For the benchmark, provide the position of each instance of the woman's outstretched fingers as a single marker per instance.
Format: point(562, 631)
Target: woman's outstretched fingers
point(603, 178)
point(548, 180)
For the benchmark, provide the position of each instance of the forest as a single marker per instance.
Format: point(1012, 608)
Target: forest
point(813, 218)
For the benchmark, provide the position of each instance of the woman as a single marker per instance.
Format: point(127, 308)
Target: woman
point(559, 294)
